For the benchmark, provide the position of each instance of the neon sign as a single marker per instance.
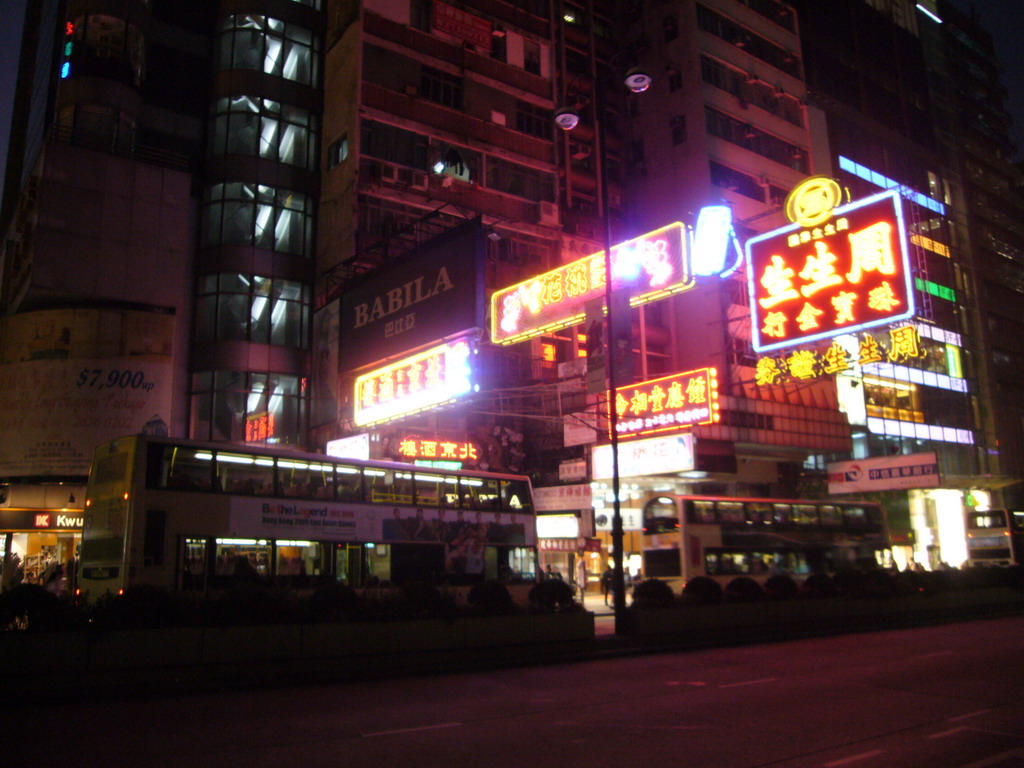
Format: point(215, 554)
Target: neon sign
point(667, 404)
point(65, 67)
point(419, 448)
point(804, 364)
point(648, 267)
point(848, 272)
point(259, 427)
point(424, 380)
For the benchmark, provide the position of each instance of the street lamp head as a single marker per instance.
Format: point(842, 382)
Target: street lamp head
point(638, 80)
point(567, 118)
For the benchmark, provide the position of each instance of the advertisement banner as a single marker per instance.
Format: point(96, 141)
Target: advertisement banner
point(555, 498)
point(654, 456)
point(886, 473)
point(433, 294)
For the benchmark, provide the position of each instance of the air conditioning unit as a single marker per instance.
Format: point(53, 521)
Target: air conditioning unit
point(419, 181)
point(389, 174)
point(411, 89)
point(579, 151)
point(547, 214)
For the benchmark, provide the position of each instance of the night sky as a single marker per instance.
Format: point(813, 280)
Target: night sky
point(1003, 18)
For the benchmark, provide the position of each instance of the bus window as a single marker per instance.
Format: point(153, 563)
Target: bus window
point(193, 571)
point(731, 513)
point(296, 561)
point(479, 493)
point(831, 516)
point(230, 553)
point(1017, 521)
point(515, 496)
point(805, 515)
point(350, 482)
point(303, 479)
point(701, 512)
point(662, 563)
point(660, 517)
point(436, 490)
point(244, 473)
point(993, 518)
point(759, 513)
point(182, 469)
point(855, 517)
point(782, 513)
point(388, 486)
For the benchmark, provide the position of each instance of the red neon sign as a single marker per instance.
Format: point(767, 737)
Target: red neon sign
point(649, 267)
point(420, 448)
point(259, 427)
point(667, 404)
point(839, 277)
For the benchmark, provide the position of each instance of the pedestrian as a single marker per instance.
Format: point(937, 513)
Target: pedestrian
point(606, 583)
point(581, 576)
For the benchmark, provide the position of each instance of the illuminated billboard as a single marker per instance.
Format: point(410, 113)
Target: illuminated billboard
point(847, 271)
point(667, 404)
point(648, 267)
point(425, 380)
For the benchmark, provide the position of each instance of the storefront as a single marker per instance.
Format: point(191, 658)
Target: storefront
point(38, 542)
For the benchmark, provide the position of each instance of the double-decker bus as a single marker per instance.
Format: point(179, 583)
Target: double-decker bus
point(995, 537)
point(726, 537)
point(183, 515)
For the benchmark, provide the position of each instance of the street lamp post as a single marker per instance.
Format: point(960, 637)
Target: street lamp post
point(637, 80)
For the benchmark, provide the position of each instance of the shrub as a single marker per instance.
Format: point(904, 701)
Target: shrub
point(552, 595)
point(702, 590)
point(252, 603)
point(490, 597)
point(652, 593)
point(849, 582)
point(781, 587)
point(418, 598)
point(818, 585)
point(26, 605)
point(332, 601)
point(743, 589)
point(140, 606)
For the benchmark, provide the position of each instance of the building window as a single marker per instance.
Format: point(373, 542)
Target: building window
point(249, 125)
point(670, 26)
point(675, 80)
point(395, 145)
point(531, 57)
point(678, 126)
point(253, 308)
point(440, 87)
point(254, 214)
point(518, 180)
point(757, 46)
point(754, 139)
point(337, 152)
point(533, 120)
point(248, 407)
point(269, 45)
point(736, 181)
point(106, 46)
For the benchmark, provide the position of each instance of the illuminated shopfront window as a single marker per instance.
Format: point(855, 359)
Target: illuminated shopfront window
point(248, 407)
point(253, 308)
point(249, 125)
point(269, 45)
point(255, 214)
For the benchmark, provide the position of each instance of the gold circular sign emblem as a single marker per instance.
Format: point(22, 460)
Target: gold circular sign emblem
point(812, 200)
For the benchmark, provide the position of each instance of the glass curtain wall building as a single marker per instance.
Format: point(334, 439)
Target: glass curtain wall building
point(255, 267)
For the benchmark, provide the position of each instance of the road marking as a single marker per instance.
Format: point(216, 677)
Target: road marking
point(411, 730)
point(854, 758)
point(943, 734)
point(749, 682)
point(971, 714)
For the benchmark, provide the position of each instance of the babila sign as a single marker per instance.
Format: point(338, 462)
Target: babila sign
point(835, 270)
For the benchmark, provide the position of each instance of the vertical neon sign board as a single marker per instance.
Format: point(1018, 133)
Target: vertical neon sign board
point(425, 380)
point(648, 267)
point(847, 272)
point(667, 404)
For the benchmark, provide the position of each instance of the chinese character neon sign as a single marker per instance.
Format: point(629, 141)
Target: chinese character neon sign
point(804, 364)
point(667, 404)
point(649, 267)
point(422, 448)
point(259, 427)
point(848, 272)
point(425, 380)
